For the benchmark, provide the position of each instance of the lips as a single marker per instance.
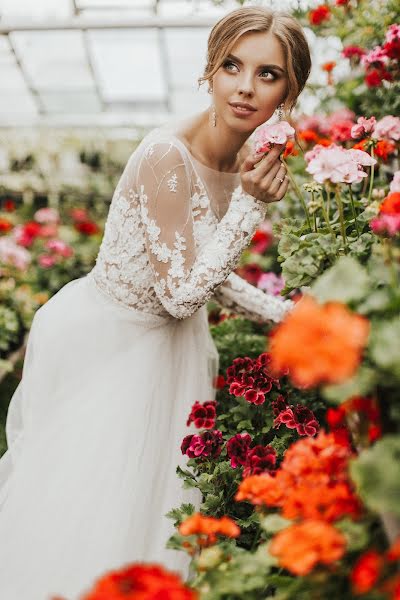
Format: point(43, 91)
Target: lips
point(243, 105)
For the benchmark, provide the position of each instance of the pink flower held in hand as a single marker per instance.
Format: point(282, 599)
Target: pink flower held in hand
point(278, 133)
point(364, 127)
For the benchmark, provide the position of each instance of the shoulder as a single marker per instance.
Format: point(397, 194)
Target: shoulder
point(160, 148)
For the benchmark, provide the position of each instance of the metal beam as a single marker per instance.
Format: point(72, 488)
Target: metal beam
point(81, 23)
point(30, 87)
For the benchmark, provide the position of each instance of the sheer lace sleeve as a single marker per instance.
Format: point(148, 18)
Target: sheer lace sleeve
point(185, 276)
point(245, 299)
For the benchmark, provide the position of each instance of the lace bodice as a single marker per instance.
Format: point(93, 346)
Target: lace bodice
point(164, 250)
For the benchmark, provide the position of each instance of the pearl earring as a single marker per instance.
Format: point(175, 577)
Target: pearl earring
point(280, 111)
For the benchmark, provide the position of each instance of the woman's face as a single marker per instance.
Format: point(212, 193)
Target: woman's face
point(254, 73)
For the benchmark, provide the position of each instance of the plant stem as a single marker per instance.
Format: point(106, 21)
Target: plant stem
point(371, 180)
point(324, 212)
point(354, 211)
point(298, 193)
point(315, 213)
point(341, 216)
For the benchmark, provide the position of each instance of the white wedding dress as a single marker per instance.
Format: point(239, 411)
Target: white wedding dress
point(114, 362)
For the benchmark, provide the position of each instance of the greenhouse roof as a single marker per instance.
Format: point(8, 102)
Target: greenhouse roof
point(105, 62)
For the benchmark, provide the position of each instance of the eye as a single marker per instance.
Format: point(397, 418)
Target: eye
point(228, 63)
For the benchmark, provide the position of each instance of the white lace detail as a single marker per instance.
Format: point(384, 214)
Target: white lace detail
point(163, 251)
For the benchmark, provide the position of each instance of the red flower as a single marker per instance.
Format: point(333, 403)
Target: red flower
point(383, 148)
point(341, 2)
point(87, 227)
point(373, 78)
point(251, 378)
point(392, 49)
point(251, 272)
point(341, 131)
point(203, 415)
point(5, 225)
point(259, 459)
point(300, 418)
point(366, 572)
point(9, 205)
point(391, 204)
point(353, 52)
point(319, 14)
point(206, 445)
point(237, 448)
point(335, 417)
point(219, 382)
point(290, 149)
point(261, 240)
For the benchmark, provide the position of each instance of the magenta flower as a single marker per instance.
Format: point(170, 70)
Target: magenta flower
point(375, 57)
point(278, 133)
point(237, 448)
point(385, 225)
point(387, 128)
point(206, 445)
point(203, 415)
point(299, 417)
point(363, 127)
point(251, 379)
point(392, 33)
point(259, 459)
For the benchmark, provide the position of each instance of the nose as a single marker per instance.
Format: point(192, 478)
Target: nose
point(245, 85)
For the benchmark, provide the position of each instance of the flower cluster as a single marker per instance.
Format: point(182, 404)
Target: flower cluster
point(297, 417)
point(255, 460)
point(207, 529)
point(360, 413)
point(387, 223)
point(319, 14)
point(311, 486)
point(140, 581)
point(251, 378)
point(382, 61)
point(375, 569)
point(203, 415)
point(337, 164)
point(205, 445)
point(268, 135)
point(318, 343)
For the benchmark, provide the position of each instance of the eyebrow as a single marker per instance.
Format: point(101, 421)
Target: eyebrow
point(269, 66)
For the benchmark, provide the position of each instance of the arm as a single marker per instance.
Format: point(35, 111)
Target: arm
point(185, 278)
point(245, 299)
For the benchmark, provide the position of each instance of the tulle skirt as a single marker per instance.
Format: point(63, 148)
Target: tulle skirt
point(94, 432)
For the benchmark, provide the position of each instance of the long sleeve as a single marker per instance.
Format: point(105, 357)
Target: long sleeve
point(239, 296)
point(187, 273)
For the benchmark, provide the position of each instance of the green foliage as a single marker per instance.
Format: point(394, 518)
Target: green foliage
point(376, 473)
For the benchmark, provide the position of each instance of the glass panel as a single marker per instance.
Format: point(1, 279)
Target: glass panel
point(128, 65)
point(70, 102)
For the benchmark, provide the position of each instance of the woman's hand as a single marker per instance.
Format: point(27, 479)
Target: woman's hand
point(267, 181)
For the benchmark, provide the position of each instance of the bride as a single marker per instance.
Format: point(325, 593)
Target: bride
point(116, 359)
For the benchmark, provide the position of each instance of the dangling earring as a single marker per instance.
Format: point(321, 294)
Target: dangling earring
point(280, 111)
point(214, 117)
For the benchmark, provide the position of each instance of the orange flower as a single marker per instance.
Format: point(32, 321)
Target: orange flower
point(328, 66)
point(391, 204)
point(140, 581)
point(290, 149)
point(262, 489)
point(361, 145)
point(384, 148)
point(366, 572)
point(207, 528)
point(319, 344)
point(308, 135)
point(324, 142)
point(300, 547)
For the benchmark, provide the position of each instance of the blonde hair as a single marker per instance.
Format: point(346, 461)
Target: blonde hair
point(288, 31)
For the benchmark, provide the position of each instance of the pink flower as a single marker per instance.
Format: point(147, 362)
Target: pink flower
point(278, 133)
point(309, 122)
point(46, 260)
point(47, 215)
point(337, 117)
point(385, 225)
point(395, 183)
point(12, 254)
point(388, 127)
point(59, 247)
point(313, 153)
point(237, 448)
point(49, 230)
point(339, 165)
point(376, 57)
point(363, 127)
point(393, 33)
point(271, 283)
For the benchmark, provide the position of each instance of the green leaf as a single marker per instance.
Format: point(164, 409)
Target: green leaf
point(360, 384)
point(376, 473)
point(346, 281)
point(384, 345)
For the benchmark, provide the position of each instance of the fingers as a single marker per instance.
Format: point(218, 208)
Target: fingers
point(264, 160)
point(283, 187)
point(277, 179)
